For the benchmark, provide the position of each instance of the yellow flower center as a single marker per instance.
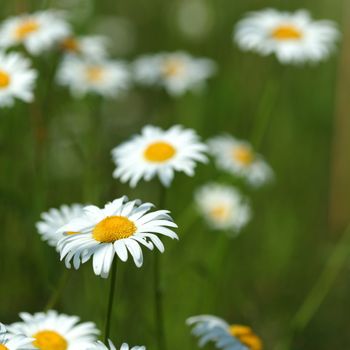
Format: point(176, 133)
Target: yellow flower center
point(5, 79)
point(286, 32)
point(246, 336)
point(172, 68)
point(3, 347)
point(220, 212)
point(26, 28)
point(94, 74)
point(49, 340)
point(113, 228)
point(70, 44)
point(159, 152)
point(243, 155)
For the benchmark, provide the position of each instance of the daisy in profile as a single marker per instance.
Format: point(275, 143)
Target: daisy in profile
point(239, 158)
point(157, 152)
point(176, 72)
point(54, 219)
point(292, 37)
point(223, 207)
point(17, 79)
point(13, 342)
point(52, 331)
point(38, 32)
point(225, 336)
point(120, 228)
point(102, 77)
point(100, 346)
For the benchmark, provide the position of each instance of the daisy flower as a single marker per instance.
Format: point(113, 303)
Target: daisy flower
point(54, 219)
point(100, 346)
point(38, 32)
point(176, 72)
point(102, 77)
point(13, 342)
point(223, 207)
point(17, 79)
point(292, 37)
point(158, 152)
point(51, 330)
point(227, 337)
point(120, 228)
point(238, 158)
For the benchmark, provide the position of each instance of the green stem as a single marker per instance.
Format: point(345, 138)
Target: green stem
point(58, 291)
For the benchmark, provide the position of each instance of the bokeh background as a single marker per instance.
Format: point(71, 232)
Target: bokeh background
point(57, 150)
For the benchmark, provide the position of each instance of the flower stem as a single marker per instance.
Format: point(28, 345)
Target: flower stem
point(58, 291)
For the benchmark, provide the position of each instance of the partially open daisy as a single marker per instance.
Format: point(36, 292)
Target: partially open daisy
point(100, 346)
point(177, 72)
point(223, 207)
point(53, 331)
point(292, 37)
point(225, 336)
point(17, 79)
point(102, 77)
point(158, 152)
point(120, 228)
point(54, 219)
point(38, 31)
point(239, 158)
point(13, 341)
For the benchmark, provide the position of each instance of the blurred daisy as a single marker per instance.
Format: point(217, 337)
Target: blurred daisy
point(228, 337)
point(13, 342)
point(158, 152)
point(54, 219)
point(223, 207)
point(38, 32)
point(17, 79)
point(100, 346)
point(53, 331)
point(90, 46)
point(177, 72)
point(293, 37)
point(238, 158)
point(103, 77)
point(120, 227)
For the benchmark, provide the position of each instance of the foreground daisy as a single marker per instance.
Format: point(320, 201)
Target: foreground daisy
point(13, 342)
point(223, 207)
point(228, 337)
point(100, 346)
point(38, 32)
point(17, 79)
point(177, 72)
point(158, 152)
point(120, 228)
point(51, 330)
point(102, 77)
point(54, 219)
point(238, 158)
point(292, 37)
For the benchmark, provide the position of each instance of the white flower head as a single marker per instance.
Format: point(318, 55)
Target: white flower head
point(38, 32)
point(227, 337)
point(10, 341)
point(17, 79)
point(157, 152)
point(292, 37)
point(239, 158)
point(54, 219)
point(120, 228)
point(100, 346)
point(51, 330)
point(223, 207)
point(176, 72)
point(103, 77)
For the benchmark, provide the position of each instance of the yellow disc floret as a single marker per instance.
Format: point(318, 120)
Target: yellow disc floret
point(94, 74)
point(172, 68)
point(49, 340)
point(159, 152)
point(5, 79)
point(246, 336)
point(286, 32)
point(243, 155)
point(70, 44)
point(26, 28)
point(3, 347)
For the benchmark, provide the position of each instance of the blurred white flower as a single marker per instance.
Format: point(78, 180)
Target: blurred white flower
point(292, 37)
point(119, 227)
point(177, 72)
point(238, 158)
point(102, 77)
point(51, 330)
point(100, 346)
point(54, 218)
point(13, 341)
point(158, 152)
point(17, 79)
point(223, 207)
point(227, 337)
point(38, 31)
